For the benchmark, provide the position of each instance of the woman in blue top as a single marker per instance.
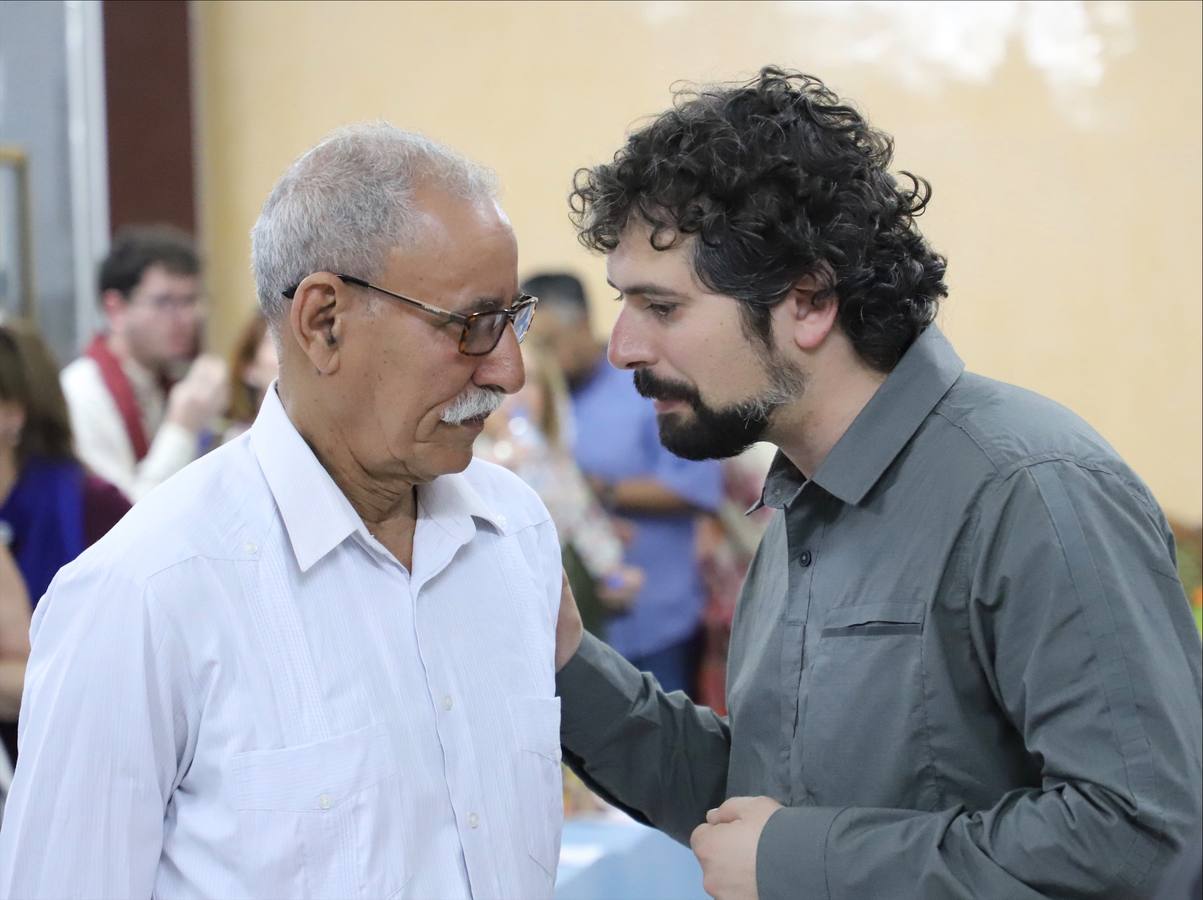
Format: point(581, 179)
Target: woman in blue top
point(50, 507)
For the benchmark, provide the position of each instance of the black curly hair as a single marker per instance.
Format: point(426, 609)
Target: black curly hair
point(779, 179)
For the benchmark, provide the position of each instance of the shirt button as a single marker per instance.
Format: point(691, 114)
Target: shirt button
point(448, 702)
point(324, 802)
point(250, 548)
point(473, 820)
point(804, 558)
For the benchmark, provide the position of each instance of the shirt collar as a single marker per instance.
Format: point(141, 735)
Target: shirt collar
point(453, 503)
point(782, 484)
point(878, 434)
point(317, 516)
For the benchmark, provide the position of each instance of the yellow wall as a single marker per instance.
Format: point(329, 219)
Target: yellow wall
point(1063, 142)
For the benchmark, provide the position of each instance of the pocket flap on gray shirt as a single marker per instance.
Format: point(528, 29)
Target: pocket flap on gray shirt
point(871, 619)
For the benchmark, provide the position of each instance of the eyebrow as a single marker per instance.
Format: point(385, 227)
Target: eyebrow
point(646, 290)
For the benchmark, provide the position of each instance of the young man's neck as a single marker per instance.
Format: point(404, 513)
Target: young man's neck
point(834, 396)
point(120, 348)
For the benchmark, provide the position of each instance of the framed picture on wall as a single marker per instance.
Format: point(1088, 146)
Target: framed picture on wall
point(16, 229)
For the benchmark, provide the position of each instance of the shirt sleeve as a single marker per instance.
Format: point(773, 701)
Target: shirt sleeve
point(1082, 628)
point(655, 755)
point(103, 730)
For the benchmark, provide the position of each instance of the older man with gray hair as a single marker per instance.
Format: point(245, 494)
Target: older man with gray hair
point(319, 661)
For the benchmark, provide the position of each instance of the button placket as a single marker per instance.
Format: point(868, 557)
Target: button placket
point(804, 531)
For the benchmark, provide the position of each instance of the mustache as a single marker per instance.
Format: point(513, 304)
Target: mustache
point(648, 385)
point(473, 403)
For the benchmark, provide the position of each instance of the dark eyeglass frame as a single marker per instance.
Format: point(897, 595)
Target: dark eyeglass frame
point(523, 303)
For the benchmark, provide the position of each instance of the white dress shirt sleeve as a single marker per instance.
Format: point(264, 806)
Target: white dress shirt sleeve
point(104, 729)
point(101, 441)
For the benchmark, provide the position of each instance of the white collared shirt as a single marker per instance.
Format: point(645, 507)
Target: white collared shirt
point(240, 693)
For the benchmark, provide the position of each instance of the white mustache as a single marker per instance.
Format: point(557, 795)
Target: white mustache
point(474, 403)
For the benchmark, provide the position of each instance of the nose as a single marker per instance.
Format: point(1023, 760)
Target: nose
point(629, 348)
point(502, 366)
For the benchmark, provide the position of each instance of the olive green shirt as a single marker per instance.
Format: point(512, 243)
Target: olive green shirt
point(962, 660)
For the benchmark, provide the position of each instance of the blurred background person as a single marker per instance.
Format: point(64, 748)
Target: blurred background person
point(136, 420)
point(14, 654)
point(50, 507)
point(617, 446)
point(14, 637)
point(253, 366)
point(726, 544)
point(531, 436)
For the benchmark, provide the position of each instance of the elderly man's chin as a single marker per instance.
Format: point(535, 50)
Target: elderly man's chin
point(456, 440)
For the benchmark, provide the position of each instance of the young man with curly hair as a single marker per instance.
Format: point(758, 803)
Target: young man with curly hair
point(962, 665)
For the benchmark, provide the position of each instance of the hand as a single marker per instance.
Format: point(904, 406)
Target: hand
point(725, 844)
point(618, 590)
point(201, 395)
point(569, 628)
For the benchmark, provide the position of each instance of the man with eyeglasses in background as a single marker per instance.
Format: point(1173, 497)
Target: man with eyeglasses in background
point(319, 662)
point(140, 397)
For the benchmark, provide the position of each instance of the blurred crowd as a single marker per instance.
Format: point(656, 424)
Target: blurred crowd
point(78, 448)
point(654, 546)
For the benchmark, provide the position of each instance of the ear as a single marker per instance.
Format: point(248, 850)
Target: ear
point(813, 310)
point(318, 318)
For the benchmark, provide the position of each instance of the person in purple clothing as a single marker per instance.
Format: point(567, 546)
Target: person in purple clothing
point(617, 446)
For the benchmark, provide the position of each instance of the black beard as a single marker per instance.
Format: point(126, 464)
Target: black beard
point(713, 433)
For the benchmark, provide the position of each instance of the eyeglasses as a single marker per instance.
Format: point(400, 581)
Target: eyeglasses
point(169, 303)
point(481, 330)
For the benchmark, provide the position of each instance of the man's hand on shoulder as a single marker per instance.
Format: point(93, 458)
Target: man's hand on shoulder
point(569, 628)
point(725, 845)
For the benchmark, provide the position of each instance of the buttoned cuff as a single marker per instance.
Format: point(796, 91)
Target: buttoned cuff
point(791, 857)
point(599, 688)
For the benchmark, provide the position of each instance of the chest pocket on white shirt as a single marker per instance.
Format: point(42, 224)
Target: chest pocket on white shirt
point(317, 820)
point(536, 723)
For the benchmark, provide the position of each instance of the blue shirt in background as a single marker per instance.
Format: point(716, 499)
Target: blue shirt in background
point(617, 438)
point(46, 514)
